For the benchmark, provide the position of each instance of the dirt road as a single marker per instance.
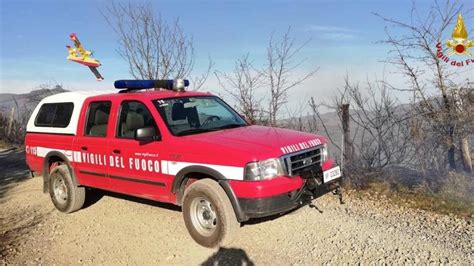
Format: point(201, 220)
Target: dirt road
point(114, 229)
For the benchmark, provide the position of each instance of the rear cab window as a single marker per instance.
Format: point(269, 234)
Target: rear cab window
point(54, 115)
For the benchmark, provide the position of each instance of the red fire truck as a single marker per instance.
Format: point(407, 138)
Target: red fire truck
point(182, 147)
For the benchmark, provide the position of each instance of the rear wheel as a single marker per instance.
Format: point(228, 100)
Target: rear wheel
point(208, 214)
point(66, 196)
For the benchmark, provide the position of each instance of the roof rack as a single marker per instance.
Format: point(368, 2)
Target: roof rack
point(167, 84)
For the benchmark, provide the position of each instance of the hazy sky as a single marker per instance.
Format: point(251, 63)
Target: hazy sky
point(343, 39)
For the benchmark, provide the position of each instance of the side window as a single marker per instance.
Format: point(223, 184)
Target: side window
point(97, 119)
point(54, 115)
point(134, 115)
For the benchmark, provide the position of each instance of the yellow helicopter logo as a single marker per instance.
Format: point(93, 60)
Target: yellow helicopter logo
point(460, 44)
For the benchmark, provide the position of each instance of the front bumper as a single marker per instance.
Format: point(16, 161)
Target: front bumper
point(255, 199)
point(261, 207)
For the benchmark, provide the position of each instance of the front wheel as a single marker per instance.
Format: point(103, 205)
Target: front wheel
point(66, 196)
point(208, 214)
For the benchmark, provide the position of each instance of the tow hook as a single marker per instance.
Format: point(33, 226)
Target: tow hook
point(338, 192)
point(313, 206)
point(306, 196)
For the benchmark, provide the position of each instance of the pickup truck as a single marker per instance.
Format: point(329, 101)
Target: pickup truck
point(181, 147)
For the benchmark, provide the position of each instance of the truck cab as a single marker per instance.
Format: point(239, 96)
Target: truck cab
point(182, 147)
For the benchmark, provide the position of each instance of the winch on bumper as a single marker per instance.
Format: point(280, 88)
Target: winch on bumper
point(283, 194)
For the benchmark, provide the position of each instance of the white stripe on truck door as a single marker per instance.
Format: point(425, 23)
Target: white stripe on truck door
point(167, 167)
point(229, 172)
point(43, 151)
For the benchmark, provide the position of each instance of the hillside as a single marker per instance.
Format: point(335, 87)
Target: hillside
point(22, 105)
point(25, 102)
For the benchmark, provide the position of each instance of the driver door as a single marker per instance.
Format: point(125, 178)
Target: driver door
point(135, 167)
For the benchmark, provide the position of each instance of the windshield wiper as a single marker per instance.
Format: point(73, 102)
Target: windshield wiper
point(194, 131)
point(231, 126)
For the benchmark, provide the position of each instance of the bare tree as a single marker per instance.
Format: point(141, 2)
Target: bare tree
point(415, 52)
point(464, 103)
point(296, 120)
point(282, 61)
point(347, 139)
point(242, 85)
point(383, 139)
point(247, 84)
point(378, 138)
point(152, 47)
point(315, 109)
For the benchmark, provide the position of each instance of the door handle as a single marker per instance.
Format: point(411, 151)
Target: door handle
point(116, 151)
point(84, 148)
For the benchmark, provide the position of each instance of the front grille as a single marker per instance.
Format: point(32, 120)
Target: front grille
point(297, 162)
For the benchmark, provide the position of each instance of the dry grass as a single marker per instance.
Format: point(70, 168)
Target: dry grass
point(454, 194)
point(4, 145)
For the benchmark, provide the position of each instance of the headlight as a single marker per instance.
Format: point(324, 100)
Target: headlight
point(324, 153)
point(264, 169)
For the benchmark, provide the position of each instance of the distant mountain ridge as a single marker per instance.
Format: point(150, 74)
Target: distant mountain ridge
point(23, 104)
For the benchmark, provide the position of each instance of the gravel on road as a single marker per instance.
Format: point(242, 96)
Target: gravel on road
point(115, 229)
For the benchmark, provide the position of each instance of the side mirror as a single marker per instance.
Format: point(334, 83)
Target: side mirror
point(147, 134)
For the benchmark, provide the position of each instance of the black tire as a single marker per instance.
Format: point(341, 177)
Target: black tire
point(66, 196)
point(224, 225)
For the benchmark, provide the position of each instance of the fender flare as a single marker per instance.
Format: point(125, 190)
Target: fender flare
point(46, 168)
point(181, 175)
point(220, 178)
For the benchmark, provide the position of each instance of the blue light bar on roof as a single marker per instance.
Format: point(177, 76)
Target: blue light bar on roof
point(169, 84)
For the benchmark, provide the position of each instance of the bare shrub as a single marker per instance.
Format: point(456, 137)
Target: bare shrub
point(444, 115)
point(242, 85)
point(255, 88)
point(296, 120)
point(282, 61)
point(153, 47)
point(379, 137)
point(456, 185)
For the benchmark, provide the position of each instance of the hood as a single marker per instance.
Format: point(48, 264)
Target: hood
point(257, 142)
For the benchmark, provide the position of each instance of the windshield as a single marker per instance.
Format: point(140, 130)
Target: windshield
point(194, 115)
